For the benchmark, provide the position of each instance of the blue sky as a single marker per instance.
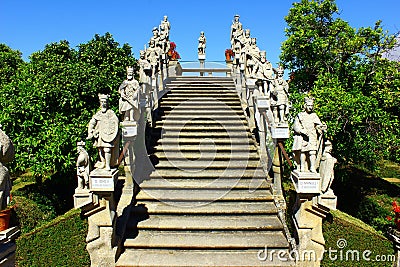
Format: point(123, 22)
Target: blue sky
point(29, 25)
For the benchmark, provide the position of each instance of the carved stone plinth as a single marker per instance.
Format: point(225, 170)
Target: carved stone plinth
point(306, 182)
point(8, 247)
point(280, 131)
point(101, 180)
point(202, 57)
point(129, 129)
point(174, 68)
point(83, 199)
point(328, 199)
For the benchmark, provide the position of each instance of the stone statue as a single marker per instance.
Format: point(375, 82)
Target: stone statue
point(326, 168)
point(7, 154)
point(236, 24)
point(82, 166)
point(103, 128)
point(164, 39)
point(156, 37)
point(252, 57)
point(308, 130)
point(153, 56)
point(263, 72)
point(129, 100)
point(280, 97)
point(144, 68)
point(166, 25)
point(201, 49)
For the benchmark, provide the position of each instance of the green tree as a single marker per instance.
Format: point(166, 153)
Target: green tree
point(46, 107)
point(356, 89)
point(10, 61)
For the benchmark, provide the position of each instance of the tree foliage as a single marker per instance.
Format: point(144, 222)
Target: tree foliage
point(356, 90)
point(45, 108)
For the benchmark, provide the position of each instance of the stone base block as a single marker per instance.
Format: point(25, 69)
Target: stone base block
point(262, 102)
point(280, 131)
point(306, 182)
point(202, 57)
point(83, 197)
point(251, 83)
point(328, 200)
point(129, 129)
point(101, 180)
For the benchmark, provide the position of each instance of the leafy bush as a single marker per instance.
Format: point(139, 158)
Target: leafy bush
point(45, 108)
point(59, 243)
point(356, 90)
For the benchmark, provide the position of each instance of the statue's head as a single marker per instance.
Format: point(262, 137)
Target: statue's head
point(328, 146)
point(254, 41)
point(202, 33)
point(236, 18)
point(152, 43)
point(103, 98)
point(263, 56)
point(80, 146)
point(247, 32)
point(155, 31)
point(280, 71)
point(129, 73)
point(165, 18)
point(142, 54)
point(308, 104)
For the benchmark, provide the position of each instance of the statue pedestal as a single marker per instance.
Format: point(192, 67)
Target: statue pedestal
point(101, 180)
point(83, 199)
point(8, 246)
point(306, 182)
point(280, 131)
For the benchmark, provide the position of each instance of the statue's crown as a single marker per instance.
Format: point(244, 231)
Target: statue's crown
point(81, 143)
point(309, 100)
point(263, 53)
point(280, 69)
point(103, 96)
point(129, 69)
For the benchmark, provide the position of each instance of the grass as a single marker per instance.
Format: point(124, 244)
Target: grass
point(359, 237)
point(61, 242)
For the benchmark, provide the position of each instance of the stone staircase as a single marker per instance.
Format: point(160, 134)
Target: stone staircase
point(208, 202)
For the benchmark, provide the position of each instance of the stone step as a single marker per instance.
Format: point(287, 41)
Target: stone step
point(202, 165)
point(203, 128)
point(205, 141)
point(205, 156)
point(202, 123)
point(208, 174)
point(200, 93)
point(212, 240)
point(205, 149)
point(200, 108)
point(238, 134)
point(194, 183)
point(205, 207)
point(196, 102)
point(201, 195)
point(200, 98)
point(203, 91)
point(211, 222)
point(199, 116)
point(202, 258)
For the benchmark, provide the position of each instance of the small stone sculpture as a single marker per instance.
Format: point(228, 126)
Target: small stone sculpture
point(253, 57)
point(153, 56)
point(308, 130)
point(144, 68)
point(164, 39)
point(156, 37)
point(236, 24)
point(103, 128)
point(263, 72)
point(201, 49)
point(166, 25)
point(82, 166)
point(129, 100)
point(326, 168)
point(7, 153)
point(280, 97)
